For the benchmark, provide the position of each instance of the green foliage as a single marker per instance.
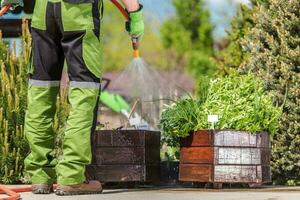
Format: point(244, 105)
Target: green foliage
point(200, 64)
point(242, 104)
point(239, 100)
point(233, 55)
point(274, 52)
point(188, 36)
point(169, 153)
point(13, 94)
point(178, 120)
point(60, 120)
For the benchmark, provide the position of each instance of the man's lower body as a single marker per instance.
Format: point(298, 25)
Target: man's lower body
point(63, 31)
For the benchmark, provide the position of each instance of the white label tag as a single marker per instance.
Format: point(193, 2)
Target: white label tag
point(213, 118)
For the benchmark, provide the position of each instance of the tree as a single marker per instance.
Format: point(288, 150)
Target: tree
point(232, 56)
point(273, 52)
point(188, 36)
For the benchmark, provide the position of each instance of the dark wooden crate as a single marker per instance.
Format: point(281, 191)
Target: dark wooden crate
point(125, 156)
point(225, 156)
point(169, 171)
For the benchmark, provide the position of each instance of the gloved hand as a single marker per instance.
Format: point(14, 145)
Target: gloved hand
point(135, 25)
point(12, 2)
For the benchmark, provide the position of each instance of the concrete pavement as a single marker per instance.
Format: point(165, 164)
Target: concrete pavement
point(269, 193)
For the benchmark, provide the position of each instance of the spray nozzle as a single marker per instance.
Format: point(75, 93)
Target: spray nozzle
point(135, 46)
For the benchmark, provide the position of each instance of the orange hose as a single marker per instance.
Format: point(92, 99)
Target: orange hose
point(121, 9)
point(4, 10)
point(13, 193)
point(21, 189)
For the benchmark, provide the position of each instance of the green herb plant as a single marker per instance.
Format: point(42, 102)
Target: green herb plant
point(239, 100)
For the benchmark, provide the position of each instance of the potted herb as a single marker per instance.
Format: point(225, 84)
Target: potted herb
point(237, 150)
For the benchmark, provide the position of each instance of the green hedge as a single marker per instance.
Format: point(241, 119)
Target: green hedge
point(274, 55)
point(13, 92)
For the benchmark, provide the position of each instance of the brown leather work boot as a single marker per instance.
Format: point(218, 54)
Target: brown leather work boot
point(88, 187)
point(42, 188)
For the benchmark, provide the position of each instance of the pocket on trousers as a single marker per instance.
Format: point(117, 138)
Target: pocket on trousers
point(92, 53)
point(79, 1)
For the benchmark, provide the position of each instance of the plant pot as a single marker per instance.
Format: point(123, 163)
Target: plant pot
point(169, 172)
point(125, 156)
point(225, 156)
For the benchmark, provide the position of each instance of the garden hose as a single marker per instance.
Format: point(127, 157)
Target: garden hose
point(4, 10)
point(13, 193)
point(135, 40)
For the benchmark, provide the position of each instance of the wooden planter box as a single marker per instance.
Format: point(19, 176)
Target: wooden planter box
point(125, 156)
point(225, 156)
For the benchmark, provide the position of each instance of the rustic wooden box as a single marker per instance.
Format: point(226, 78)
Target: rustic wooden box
point(225, 156)
point(125, 156)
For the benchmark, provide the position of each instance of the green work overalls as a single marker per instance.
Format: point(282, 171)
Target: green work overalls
point(63, 30)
